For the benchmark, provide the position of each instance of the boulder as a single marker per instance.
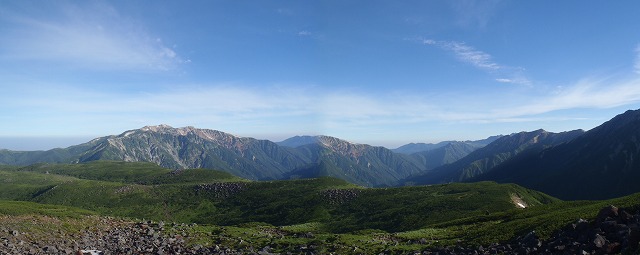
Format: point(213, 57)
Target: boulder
point(607, 212)
point(599, 241)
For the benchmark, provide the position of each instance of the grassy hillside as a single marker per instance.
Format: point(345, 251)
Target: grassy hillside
point(144, 190)
point(131, 172)
point(313, 236)
point(17, 208)
point(409, 208)
point(326, 213)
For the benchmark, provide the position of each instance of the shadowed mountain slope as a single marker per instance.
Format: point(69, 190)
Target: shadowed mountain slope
point(357, 163)
point(602, 163)
point(485, 159)
point(422, 147)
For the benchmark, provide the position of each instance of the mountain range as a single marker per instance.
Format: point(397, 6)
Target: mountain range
point(602, 163)
point(421, 147)
point(597, 164)
point(483, 160)
point(297, 157)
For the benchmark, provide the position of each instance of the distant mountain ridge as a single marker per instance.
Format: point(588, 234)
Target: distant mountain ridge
point(602, 163)
point(189, 147)
point(485, 159)
point(597, 164)
point(421, 147)
point(447, 154)
point(298, 141)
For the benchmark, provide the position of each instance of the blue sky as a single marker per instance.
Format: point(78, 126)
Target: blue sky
point(376, 72)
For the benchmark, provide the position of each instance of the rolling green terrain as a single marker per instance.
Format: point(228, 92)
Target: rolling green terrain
point(17, 208)
point(323, 212)
point(144, 190)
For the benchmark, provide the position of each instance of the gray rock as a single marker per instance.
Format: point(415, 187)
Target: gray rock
point(599, 241)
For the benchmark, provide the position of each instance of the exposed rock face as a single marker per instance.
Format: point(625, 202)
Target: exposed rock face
point(344, 148)
point(189, 147)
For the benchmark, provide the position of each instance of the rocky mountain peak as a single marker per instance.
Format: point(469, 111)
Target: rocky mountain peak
point(157, 128)
point(524, 137)
point(330, 141)
point(207, 134)
point(342, 147)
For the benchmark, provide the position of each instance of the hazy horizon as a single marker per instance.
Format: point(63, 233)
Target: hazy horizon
point(35, 143)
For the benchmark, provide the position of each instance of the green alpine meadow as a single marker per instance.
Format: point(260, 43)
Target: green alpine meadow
point(325, 215)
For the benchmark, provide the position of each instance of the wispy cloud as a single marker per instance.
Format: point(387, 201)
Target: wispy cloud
point(586, 94)
point(304, 33)
point(89, 36)
point(243, 109)
point(516, 78)
point(481, 60)
point(466, 54)
point(504, 80)
point(280, 110)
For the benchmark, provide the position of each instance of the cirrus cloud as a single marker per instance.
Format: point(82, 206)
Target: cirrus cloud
point(481, 60)
point(91, 36)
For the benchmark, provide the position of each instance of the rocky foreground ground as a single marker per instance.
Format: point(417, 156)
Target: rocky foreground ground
point(100, 236)
point(614, 231)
